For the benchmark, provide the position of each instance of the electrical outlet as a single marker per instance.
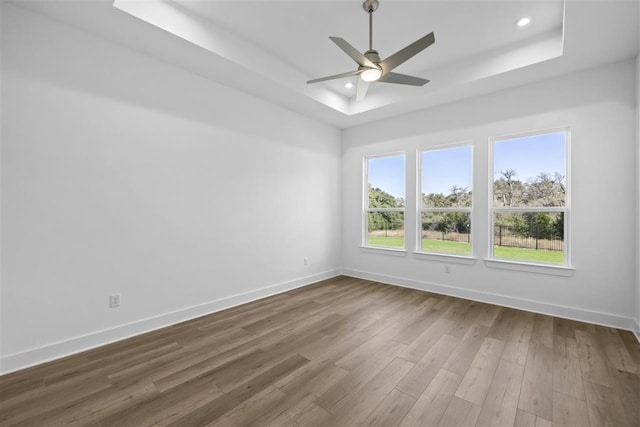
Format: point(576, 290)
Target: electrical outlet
point(447, 269)
point(115, 300)
point(307, 261)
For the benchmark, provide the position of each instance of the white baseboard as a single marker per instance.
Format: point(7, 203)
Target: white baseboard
point(49, 352)
point(598, 318)
point(46, 353)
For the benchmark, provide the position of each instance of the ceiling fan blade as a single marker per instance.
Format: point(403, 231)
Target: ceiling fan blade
point(361, 89)
point(336, 76)
point(353, 52)
point(404, 54)
point(403, 79)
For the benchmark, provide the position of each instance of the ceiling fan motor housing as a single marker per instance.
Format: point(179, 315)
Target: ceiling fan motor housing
point(372, 55)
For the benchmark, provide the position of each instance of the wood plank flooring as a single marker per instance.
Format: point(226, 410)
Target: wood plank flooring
point(343, 352)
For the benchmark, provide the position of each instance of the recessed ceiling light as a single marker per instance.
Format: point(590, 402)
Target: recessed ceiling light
point(523, 22)
point(349, 85)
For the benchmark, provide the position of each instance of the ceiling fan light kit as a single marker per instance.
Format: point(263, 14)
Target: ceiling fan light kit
point(370, 67)
point(371, 74)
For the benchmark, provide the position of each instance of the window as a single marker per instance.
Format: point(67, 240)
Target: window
point(445, 200)
point(529, 208)
point(384, 201)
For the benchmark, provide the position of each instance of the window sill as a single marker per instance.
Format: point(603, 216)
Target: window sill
point(383, 251)
point(554, 270)
point(448, 258)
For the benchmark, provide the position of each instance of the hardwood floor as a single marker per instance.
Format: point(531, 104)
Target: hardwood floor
point(343, 352)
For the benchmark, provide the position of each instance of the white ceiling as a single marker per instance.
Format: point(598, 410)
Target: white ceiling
point(297, 32)
point(271, 48)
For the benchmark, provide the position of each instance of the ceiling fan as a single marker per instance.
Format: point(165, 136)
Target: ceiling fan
point(371, 68)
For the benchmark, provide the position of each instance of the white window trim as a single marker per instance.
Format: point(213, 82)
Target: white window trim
point(447, 258)
point(441, 256)
point(382, 250)
point(365, 246)
point(565, 269)
point(550, 269)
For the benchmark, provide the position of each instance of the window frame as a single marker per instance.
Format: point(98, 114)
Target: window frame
point(366, 209)
point(419, 252)
point(562, 269)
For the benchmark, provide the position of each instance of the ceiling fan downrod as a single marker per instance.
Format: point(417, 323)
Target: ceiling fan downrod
point(370, 6)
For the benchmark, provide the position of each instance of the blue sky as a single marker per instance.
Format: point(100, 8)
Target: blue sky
point(442, 169)
point(529, 156)
point(387, 174)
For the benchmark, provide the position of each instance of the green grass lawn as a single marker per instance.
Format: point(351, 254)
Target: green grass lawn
point(388, 242)
point(522, 254)
point(445, 246)
point(461, 248)
point(429, 245)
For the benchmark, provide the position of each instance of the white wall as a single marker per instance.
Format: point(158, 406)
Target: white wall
point(1, 78)
point(122, 174)
point(637, 320)
point(601, 109)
